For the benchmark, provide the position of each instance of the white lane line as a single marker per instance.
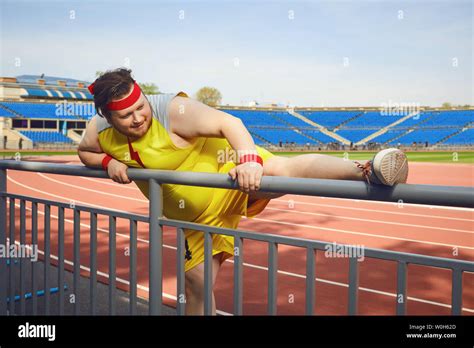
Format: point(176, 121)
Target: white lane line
point(442, 207)
point(91, 190)
point(106, 182)
point(286, 210)
point(64, 199)
point(291, 274)
point(361, 233)
point(373, 221)
point(373, 210)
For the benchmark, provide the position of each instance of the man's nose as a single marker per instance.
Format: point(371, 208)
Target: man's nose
point(137, 118)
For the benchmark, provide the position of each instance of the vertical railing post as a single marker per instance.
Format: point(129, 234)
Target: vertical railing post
point(3, 241)
point(272, 277)
point(353, 284)
point(180, 275)
point(112, 265)
point(207, 273)
point(47, 258)
point(456, 292)
point(310, 278)
point(155, 247)
point(238, 274)
point(401, 288)
point(77, 259)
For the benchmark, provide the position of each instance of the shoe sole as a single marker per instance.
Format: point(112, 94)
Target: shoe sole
point(391, 166)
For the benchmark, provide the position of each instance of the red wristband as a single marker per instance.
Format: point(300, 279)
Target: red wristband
point(251, 158)
point(106, 160)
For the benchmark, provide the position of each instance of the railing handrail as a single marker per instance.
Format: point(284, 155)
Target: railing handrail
point(457, 196)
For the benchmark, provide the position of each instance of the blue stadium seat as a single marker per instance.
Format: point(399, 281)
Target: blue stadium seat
point(40, 110)
point(46, 137)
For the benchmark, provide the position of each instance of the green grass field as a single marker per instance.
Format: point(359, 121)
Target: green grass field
point(441, 157)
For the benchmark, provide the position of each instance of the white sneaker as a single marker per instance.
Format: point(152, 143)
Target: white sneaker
point(388, 167)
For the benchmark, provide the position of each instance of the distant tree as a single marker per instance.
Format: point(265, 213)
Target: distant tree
point(446, 105)
point(149, 88)
point(209, 96)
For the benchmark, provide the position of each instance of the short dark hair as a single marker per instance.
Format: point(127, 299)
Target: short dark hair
point(111, 85)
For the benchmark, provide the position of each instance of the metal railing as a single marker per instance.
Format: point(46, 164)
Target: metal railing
point(422, 194)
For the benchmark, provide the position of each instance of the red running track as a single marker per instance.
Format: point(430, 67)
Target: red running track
point(427, 230)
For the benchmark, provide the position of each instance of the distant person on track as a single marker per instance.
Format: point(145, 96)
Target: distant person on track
point(175, 132)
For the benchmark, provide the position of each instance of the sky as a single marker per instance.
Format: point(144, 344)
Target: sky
point(302, 53)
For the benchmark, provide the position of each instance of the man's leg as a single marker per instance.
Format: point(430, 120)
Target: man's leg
point(307, 166)
point(390, 164)
point(195, 287)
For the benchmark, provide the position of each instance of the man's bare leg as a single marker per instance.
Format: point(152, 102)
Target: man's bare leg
point(329, 167)
point(195, 287)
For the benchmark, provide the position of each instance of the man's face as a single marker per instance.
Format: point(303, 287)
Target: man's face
point(134, 121)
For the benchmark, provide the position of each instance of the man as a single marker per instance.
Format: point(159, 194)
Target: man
point(174, 132)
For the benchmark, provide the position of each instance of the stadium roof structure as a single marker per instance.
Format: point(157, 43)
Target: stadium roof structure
point(49, 80)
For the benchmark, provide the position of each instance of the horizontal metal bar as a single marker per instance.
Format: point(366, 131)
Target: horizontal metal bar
point(307, 243)
point(107, 212)
point(421, 194)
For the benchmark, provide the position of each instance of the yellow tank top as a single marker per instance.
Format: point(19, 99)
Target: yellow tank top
point(157, 151)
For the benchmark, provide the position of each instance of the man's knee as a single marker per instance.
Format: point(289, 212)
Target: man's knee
point(194, 280)
point(277, 166)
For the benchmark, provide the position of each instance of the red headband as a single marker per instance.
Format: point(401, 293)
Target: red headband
point(122, 103)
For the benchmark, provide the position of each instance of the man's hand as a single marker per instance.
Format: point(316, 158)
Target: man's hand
point(118, 172)
point(249, 175)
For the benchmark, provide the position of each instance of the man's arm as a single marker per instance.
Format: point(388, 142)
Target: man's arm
point(91, 154)
point(190, 119)
point(89, 149)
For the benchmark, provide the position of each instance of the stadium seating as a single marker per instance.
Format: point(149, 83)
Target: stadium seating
point(37, 110)
point(46, 137)
point(464, 138)
point(329, 119)
point(280, 126)
point(431, 136)
point(372, 119)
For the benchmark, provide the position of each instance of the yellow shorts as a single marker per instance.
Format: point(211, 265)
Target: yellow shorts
point(226, 210)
